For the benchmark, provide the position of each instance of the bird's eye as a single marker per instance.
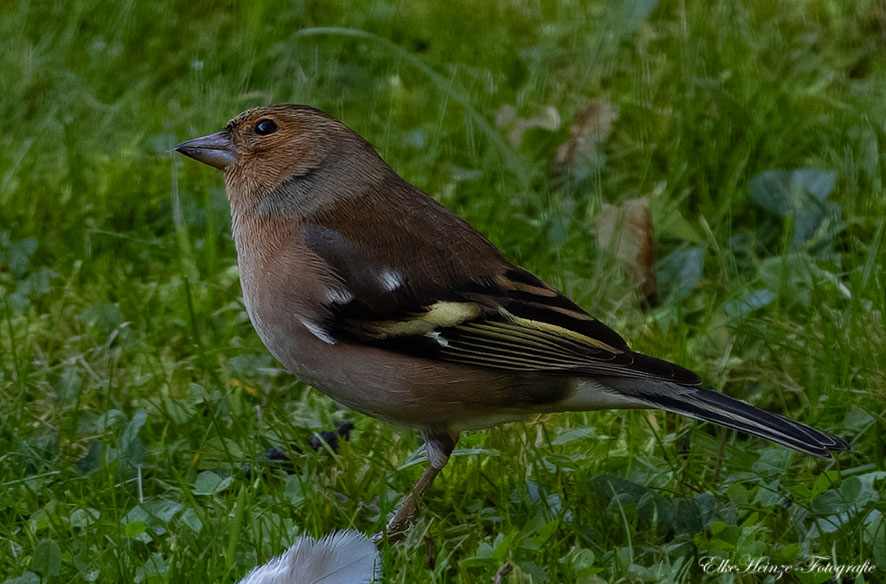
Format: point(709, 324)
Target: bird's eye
point(265, 127)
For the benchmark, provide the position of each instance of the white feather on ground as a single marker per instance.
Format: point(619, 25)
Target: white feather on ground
point(345, 557)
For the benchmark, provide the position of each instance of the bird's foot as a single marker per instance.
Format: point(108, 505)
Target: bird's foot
point(402, 519)
point(439, 448)
point(404, 516)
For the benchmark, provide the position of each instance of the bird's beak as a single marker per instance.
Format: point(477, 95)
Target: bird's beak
point(215, 150)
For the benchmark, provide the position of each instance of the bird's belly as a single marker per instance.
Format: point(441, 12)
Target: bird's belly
point(402, 389)
point(385, 384)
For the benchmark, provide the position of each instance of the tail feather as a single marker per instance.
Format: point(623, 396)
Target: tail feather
point(712, 406)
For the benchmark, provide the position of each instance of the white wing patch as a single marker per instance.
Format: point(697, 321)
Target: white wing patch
point(391, 280)
point(338, 296)
point(441, 340)
point(317, 331)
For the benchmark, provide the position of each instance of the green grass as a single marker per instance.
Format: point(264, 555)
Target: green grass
point(129, 369)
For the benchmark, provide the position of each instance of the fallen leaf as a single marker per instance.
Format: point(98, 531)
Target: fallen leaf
point(628, 232)
point(593, 126)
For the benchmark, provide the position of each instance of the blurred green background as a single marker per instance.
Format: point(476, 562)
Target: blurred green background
point(138, 407)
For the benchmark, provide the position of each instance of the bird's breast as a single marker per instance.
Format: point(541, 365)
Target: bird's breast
point(277, 281)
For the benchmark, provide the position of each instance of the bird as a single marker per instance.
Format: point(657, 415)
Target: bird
point(369, 290)
point(344, 557)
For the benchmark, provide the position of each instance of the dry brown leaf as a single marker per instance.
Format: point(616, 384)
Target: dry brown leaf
point(627, 231)
point(591, 128)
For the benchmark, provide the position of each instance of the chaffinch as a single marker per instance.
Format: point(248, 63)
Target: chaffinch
point(371, 291)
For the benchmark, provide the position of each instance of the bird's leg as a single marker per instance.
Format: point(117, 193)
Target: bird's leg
point(439, 447)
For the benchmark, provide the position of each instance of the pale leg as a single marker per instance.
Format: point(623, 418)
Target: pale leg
point(439, 447)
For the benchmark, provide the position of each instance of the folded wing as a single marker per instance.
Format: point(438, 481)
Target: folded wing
point(507, 319)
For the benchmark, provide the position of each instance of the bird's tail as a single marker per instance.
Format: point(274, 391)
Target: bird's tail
point(712, 406)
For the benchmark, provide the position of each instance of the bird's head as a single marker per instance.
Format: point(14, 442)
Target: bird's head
point(285, 154)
